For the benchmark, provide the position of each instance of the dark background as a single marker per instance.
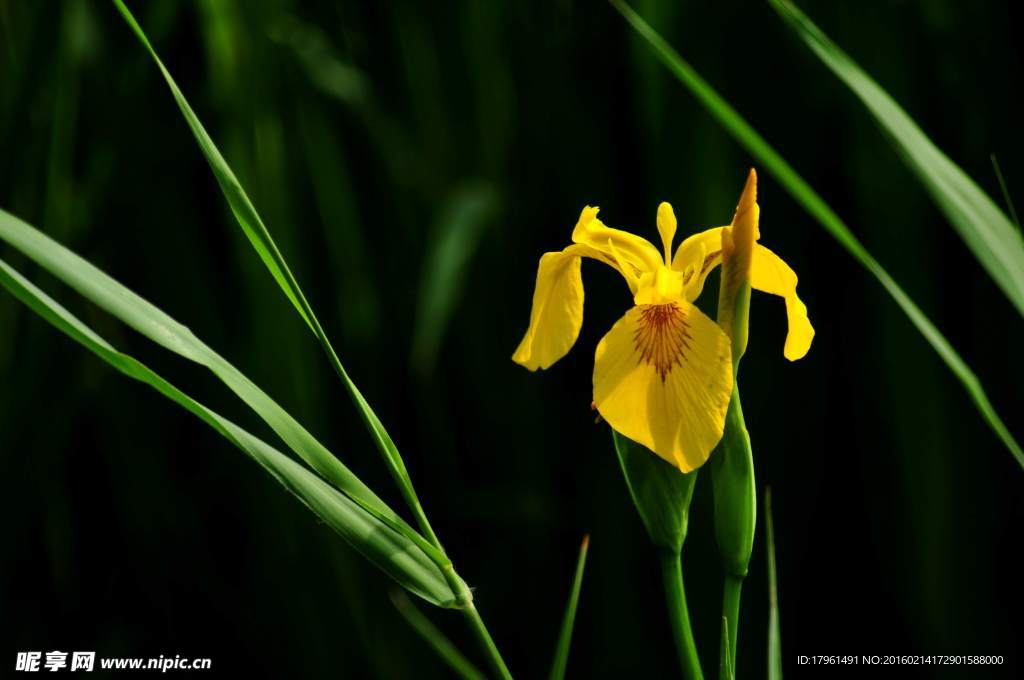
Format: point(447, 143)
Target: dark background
point(376, 139)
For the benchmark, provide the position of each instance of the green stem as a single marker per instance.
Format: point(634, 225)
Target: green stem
point(435, 638)
point(675, 599)
point(731, 613)
point(484, 638)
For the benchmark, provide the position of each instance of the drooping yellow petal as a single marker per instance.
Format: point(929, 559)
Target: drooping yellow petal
point(557, 313)
point(770, 274)
point(638, 252)
point(663, 378)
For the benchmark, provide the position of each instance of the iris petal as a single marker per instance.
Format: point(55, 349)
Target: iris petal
point(557, 314)
point(769, 274)
point(663, 378)
point(638, 251)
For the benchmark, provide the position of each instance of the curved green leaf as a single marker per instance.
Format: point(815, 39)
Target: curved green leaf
point(802, 192)
point(153, 323)
point(389, 550)
point(257, 233)
point(985, 228)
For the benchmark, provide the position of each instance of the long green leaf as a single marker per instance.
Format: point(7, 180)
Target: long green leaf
point(437, 640)
point(774, 636)
point(985, 228)
point(802, 192)
point(565, 636)
point(150, 321)
point(257, 233)
point(392, 552)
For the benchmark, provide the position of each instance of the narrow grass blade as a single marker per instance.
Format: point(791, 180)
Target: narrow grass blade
point(435, 638)
point(802, 192)
point(724, 661)
point(774, 638)
point(565, 636)
point(259, 236)
point(139, 314)
point(981, 224)
point(1005, 190)
point(392, 552)
point(454, 239)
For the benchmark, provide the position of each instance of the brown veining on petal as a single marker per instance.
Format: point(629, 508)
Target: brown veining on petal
point(662, 337)
point(709, 261)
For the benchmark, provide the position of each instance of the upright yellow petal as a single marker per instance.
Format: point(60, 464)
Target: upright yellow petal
point(637, 251)
point(696, 256)
point(770, 274)
point(663, 378)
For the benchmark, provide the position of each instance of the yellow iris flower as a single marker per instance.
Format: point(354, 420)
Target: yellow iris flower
point(663, 374)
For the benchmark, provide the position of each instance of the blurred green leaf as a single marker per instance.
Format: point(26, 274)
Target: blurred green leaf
point(325, 69)
point(344, 82)
point(565, 636)
point(392, 552)
point(336, 198)
point(985, 229)
point(819, 210)
point(661, 493)
point(454, 239)
point(435, 638)
point(264, 244)
point(153, 323)
point(774, 638)
point(240, 204)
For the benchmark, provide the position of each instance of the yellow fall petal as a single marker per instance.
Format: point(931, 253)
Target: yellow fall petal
point(557, 314)
point(768, 273)
point(663, 378)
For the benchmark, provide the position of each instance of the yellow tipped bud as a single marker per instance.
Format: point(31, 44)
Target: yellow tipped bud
point(744, 227)
point(738, 240)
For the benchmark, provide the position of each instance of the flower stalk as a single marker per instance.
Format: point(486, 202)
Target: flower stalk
point(662, 496)
point(732, 468)
point(679, 615)
point(732, 475)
